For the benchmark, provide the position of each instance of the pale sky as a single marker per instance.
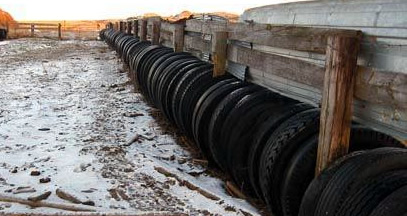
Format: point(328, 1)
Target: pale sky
point(105, 9)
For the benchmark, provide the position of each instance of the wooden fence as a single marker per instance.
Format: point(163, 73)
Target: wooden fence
point(39, 26)
point(329, 77)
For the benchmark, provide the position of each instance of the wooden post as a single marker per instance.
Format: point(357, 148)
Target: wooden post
point(121, 26)
point(116, 26)
point(219, 53)
point(135, 28)
point(155, 37)
point(129, 27)
point(143, 30)
point(32, 30)
point(59, 31)
point(337, 97)
point(178, 37)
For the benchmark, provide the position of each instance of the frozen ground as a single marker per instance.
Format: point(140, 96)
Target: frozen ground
point(67, 111)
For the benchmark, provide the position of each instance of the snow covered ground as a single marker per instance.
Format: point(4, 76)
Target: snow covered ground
point(68, 111)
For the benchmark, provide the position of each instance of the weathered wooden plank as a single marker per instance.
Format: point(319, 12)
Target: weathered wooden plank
point(197, 44)
point(143, 30)
point(39, 24)
point(287, 37)
point(135, 28)
point(381, 87)
point(337, 99)
point(219, 53)
point(129, 27)
point(373, 88)
point(155, 37)
point(166, 26)
point(59, 31)
point(178, 37)
point(205, 27)
point(167, 36)
point(294, 69)
point(166, 43)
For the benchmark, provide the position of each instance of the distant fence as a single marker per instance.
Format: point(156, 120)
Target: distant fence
point(84, 30)
point(39, 26)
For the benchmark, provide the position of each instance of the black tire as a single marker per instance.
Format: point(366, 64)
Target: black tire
point(220, 114)
point(181, 86)
point(350, 176)
point(163, 82)
point(279, 149)
point(392, 205)
point(300, 170)
point(372, 191)
point(205, 108)
point(263, 134)
point(172, 87)
point(246, 120)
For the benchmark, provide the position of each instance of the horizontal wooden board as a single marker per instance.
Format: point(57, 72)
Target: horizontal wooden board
point(197, 43)
point(38, 24)
point(287, 37)
point(289, 68)
point(303, 81)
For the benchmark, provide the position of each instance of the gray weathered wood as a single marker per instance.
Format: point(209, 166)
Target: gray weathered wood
point(143, 30)
point(197, 44)
point(129, 27)
point(155, 37)
point(178, 37)
point(135, 28)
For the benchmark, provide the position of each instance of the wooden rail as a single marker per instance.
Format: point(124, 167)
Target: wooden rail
point(315, 65)
point(40, 26)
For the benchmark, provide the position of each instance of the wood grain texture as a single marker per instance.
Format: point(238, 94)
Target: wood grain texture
point(129, 27)
point(178, 37)
point(143, 30)
point(289, 68)
point(155, 37)
point(337, 99)
point(135, 28)
point(219, 53)
point(195, 43)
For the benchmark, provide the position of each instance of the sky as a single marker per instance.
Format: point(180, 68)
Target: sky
point(119, 9)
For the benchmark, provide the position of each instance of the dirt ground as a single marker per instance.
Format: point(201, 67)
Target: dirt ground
point(67, 121)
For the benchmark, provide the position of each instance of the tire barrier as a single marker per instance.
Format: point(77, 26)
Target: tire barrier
point(265, 141)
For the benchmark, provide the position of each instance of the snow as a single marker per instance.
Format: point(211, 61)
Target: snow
point(80, 92)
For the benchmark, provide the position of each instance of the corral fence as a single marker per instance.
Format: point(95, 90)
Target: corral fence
point(329, 76)
point(86, 30)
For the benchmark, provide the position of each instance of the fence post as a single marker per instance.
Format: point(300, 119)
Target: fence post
point(155, 37)
point(32, 30)
point(59, 31)
point(337, 97)
point(219, 53)
point(178, 37)
point(121, 26)
point(129, 27)
point(143, 30)
point(135, 28)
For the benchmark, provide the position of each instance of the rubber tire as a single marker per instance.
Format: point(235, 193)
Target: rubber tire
point(279, 149)
point(348, 178)
point(394, 204)
point(372, 191)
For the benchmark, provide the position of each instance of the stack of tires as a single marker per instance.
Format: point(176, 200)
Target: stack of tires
point(265, 141)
